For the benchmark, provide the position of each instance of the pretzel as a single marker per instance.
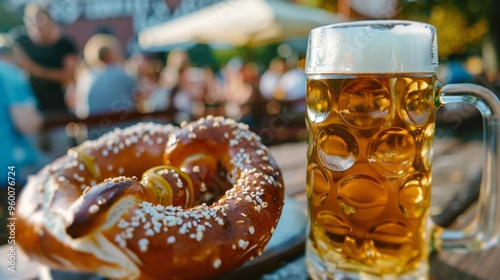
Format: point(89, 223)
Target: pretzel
point(208, 200)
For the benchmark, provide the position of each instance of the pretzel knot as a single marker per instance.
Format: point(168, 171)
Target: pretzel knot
point(209, 199)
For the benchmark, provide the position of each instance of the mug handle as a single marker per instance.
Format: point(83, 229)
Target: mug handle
point(483, 232)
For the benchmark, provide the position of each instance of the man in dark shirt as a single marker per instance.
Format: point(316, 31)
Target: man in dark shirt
point(50, 58)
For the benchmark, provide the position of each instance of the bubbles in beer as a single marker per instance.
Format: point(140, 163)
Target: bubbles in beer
point(417, 103)
point(414, 195)
point(337, 148)
point(392, 151)
point(391, 246)
point(318, 185)
point(362, 197)
point(319, 101)
point(334, 234)
point(364, 103)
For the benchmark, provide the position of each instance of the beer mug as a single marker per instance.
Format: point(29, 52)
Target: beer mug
point(372, 97)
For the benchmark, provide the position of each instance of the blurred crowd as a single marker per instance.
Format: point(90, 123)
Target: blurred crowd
point(44, 76)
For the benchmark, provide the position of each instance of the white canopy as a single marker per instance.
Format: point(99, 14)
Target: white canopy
point(238, 22)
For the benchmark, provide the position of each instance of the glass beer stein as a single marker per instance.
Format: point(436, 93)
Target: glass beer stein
point(372, 96)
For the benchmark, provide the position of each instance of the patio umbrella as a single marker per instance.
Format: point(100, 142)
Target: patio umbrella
point(238, 23)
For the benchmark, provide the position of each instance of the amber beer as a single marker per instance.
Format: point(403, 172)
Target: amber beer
point(372, 96)
point(368, 173)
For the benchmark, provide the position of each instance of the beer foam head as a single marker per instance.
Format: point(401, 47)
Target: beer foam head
point(381, 46)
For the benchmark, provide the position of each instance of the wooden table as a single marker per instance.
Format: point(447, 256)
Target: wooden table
point(456, 168)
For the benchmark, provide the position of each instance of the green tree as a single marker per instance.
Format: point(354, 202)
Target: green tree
point(462, 24)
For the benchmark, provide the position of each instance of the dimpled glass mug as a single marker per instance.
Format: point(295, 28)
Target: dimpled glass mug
point(372, 95)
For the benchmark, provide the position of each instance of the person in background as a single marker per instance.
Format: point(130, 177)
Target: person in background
point(104, 87)
point(292, 83)
point(241, 91)
point(271, 77)
point(179, 86)
point(168, 83)
point(19, 119)
point(292, 87)
point(49, 58)
point(146, 70)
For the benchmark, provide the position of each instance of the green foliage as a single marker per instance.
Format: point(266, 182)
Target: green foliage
point(472, 10)
point(8, 18)
point(461, 24)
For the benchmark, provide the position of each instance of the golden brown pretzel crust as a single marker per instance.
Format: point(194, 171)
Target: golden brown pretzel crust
point(119, 227)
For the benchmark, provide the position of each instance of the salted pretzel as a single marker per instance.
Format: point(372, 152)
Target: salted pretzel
point(209, 199)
